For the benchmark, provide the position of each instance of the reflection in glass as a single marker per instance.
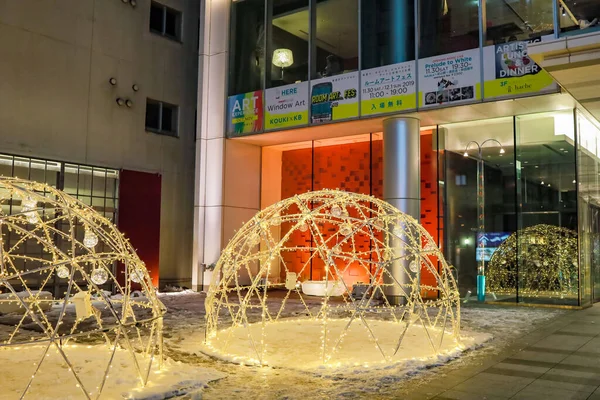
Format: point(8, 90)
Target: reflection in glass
point(289, 32)
point(547, 195)
point(588, 178)
point(336, 37)
point(247, 45)
point(508, 21)
point(579, 16)
point(467, 248)
point(448, 26)
point(387, 31)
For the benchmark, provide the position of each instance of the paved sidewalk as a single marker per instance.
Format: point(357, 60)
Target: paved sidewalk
point(559, 360)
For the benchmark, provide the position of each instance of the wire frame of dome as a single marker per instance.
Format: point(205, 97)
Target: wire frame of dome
point(69, 278)
point(541, 260)
point(407, 281)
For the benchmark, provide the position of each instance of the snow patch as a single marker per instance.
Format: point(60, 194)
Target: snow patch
point(296, 344)
point(55, 379)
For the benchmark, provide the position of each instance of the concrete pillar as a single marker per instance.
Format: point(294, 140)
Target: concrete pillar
point(402, 189)
point(209, 210)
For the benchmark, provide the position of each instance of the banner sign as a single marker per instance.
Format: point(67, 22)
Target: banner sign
point(509, 71)
point(450, 79)
point(286, 106)
point(245, 113)
point(387, 89)
point(334, 98)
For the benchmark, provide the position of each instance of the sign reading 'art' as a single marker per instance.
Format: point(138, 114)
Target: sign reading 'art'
point(245, 113)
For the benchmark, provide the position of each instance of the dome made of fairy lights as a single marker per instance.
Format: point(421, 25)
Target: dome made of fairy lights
point(73, 293)
point(317, 279)
point(541, 259)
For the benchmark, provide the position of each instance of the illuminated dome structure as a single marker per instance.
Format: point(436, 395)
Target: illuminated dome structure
point(386, 292)
point(68, 281)
point(545, 258)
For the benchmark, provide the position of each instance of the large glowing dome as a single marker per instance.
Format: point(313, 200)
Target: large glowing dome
point(69, 280)
point(331, 278)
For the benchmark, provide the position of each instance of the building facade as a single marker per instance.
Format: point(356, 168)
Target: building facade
point(435, 106)
point(99, 98)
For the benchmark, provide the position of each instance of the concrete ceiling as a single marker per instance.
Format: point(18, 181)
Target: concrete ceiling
point(574, 62)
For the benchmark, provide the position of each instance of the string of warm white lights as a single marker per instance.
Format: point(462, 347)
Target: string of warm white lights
point(343, 232)
point(66, 276)
point(541, 260)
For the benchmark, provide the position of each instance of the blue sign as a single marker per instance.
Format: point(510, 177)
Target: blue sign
point(487, 243)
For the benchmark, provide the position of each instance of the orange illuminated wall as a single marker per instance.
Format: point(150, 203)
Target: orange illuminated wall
point(353, 167)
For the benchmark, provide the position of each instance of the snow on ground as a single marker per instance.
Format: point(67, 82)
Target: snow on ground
point(295, 344)
point(184, 333)
point(54, 380)
point(188, 370)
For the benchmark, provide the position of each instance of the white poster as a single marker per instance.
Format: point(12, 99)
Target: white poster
point(450, 79)
point(286, 106)
point(510, 72)
point(387, 89)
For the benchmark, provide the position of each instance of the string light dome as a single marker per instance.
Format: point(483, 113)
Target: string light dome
point(73, 294)
point(541, 260)
point(380, 282)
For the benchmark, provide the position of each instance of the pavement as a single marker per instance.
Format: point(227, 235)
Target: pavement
point(559, 360)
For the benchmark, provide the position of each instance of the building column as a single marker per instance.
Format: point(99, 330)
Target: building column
point(402, 189)
point(210, 139)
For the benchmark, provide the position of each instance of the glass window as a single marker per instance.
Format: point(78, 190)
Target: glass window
point(479, 185)
point(448, 26)
point(336, 38)
point(247, 46)
point(165, 21)
point(161, 118)
point(588, 181)
point(579, 16)
point(546, 248)
point(287, 49)
point(387, 32)
point(511, 20)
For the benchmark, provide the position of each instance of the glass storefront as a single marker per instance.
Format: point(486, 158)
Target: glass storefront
point(515, 199)
point(509, 21)
point(296, 63)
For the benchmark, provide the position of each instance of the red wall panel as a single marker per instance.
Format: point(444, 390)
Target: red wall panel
point(139, 216)
point(354, 167)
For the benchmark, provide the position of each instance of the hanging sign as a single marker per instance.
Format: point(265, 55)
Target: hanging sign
point(245, 113)
point(509, 71)
point(286, 106)
point(391, 88)
point(450, 79)
point(334, 98)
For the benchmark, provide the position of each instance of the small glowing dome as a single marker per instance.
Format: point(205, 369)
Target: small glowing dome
point(65, 285)
point(380, 290)
point(542, 260)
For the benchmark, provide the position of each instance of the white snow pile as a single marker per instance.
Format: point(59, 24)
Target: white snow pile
point(296, 344)
point(55, 378)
